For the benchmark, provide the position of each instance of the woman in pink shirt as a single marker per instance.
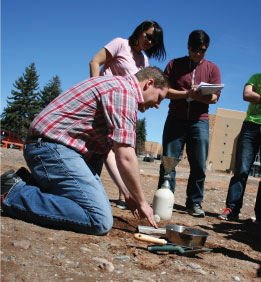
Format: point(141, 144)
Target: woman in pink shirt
point(123, 57)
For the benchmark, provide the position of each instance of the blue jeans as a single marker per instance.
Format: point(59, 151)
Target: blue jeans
point(70, 194)
point(258, 203)
point(248, 144)
point(195, 134)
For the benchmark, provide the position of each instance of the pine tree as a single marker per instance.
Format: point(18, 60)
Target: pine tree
point(50, 91)
point(140, 134)
point(24, 103)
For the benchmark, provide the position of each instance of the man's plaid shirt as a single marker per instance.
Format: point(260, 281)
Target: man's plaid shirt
point(90, 115)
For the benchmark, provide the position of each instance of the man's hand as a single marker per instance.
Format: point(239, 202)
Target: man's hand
point(132, 205)
point(197, 96)
point(147, 211)
point(142, 211)
point(194, 93)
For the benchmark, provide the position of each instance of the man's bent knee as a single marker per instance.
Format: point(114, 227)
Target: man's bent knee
point(102, 225)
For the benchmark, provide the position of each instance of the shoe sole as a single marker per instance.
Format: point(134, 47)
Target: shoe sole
point(232, 218)
point(222, 218)
point(121, 207)
point(196, 214)
point(8, 174)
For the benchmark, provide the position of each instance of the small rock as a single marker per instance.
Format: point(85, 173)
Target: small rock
point(201, 271)
point(102, 260)
point(23, 244)
point(194, 265)
point(84, 249)
point(94, 245)
point(108, 266)
point(76, 263)
point(236, 278)
point(151, 280)
point(10, 258)
point(122, 258)
point(104, 264)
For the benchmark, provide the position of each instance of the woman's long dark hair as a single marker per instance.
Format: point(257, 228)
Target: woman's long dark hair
point(157, 51)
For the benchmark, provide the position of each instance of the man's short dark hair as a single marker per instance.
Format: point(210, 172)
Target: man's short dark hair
point(160, 80)
point(198, 38)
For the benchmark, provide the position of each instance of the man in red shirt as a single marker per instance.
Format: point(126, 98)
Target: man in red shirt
point(81, 124)
point(187, 121)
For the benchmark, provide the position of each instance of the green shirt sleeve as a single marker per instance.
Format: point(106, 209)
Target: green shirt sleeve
point(254, 110)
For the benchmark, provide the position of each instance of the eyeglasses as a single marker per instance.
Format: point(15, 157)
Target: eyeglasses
point(150, 37)
point(200, 50)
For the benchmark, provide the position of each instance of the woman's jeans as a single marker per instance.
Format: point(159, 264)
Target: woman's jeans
point(248, 144)
point(70, 194)
point(195, 134)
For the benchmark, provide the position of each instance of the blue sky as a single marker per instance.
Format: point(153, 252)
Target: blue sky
point(61, 37)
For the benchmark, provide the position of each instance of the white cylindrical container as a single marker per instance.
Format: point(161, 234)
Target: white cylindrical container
point(163, 202)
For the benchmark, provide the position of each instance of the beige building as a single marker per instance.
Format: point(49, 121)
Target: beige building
point(153, 149)
point(222, 149)
point(224, 128)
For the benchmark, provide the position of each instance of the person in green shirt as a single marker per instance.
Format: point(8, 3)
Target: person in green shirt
point(248, 145)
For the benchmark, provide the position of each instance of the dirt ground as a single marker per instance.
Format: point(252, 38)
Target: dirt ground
point(33, 253)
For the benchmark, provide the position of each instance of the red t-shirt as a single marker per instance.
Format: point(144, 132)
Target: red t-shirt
point(179, 72)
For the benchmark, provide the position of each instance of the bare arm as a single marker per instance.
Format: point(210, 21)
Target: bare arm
point(102, 57)
point(192, 93)
point(250, 95)
point(127, 164)
point(112, 168)
point(206, 99)
point(176, 94)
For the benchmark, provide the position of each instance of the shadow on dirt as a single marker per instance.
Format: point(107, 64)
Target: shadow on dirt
point(234, 254)
point(123, 225)
point(244, 232)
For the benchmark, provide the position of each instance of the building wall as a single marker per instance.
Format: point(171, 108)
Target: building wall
point(224, 128)
point(227, 126)
point(153, 149)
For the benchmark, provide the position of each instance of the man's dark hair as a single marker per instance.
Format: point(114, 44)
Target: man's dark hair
point(198, 38)
point(157, 51)
point(160, 80)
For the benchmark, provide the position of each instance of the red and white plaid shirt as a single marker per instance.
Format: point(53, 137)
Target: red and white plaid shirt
point(91, 114)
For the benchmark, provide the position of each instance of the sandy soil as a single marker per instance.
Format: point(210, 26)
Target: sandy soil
point(33, 253)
